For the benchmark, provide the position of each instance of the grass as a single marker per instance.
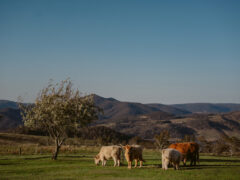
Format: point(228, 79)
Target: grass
point(81, 166)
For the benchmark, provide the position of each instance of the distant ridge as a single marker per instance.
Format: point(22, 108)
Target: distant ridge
point(114, 109)
point(110, 105)
point(146, 120)
point(8, 104)
point(209, 107)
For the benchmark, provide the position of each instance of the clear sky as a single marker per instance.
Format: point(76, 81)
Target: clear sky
point(132, 50)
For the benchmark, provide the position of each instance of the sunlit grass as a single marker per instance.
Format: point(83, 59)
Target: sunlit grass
point(81, 166)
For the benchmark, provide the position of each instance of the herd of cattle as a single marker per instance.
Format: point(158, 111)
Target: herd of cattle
point(174, 154)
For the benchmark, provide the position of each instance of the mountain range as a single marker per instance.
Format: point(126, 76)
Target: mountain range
point(146, 120)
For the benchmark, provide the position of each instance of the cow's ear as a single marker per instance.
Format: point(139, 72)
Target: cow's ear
point(128, 147)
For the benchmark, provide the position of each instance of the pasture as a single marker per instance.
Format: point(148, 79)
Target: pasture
point(81, 166)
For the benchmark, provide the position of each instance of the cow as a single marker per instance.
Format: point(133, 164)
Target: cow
point(189, 150)
point(172, 156)
point(194, 149)
point(107, 152)
point(133, 152)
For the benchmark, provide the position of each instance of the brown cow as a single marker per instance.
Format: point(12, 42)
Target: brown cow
point(133, 152)
point(189, 150)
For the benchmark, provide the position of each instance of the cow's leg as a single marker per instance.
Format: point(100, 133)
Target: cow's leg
point(174, 166)
point(136, 162)
point(141, 163)
point(177, 166)
point(104, 162)
point(195, 159)
point(115, 161)
point(118, 162)
point(184, 161)
point(129, 164)
point(166, 163)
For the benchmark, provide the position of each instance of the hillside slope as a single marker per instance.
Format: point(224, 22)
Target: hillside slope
point(10, 118)
point(147, 120)
point(210, 126)
point(114, 109)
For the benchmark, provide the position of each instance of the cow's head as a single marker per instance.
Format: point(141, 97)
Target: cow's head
point(127, 149)
point(97, 159)
point(163, 150)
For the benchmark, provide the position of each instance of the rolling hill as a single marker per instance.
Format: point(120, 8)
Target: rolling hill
point(114, 109)
point(147, 120)
point(10, 118)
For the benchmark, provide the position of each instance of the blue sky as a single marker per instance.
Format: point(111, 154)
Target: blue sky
point(143, 51)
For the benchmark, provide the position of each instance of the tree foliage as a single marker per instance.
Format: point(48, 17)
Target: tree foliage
point(59, 110)
point(162, 139)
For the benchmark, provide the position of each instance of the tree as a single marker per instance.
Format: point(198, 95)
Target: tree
point(59, 110)
point(206, 146)
point(162, 140)
point(233, 143)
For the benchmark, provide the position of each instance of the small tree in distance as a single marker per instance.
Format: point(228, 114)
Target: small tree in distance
point(162, 140)
point(59, 110)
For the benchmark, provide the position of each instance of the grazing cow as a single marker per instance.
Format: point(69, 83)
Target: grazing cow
point(133, 152)
point(107, 152)
point(189, 150)
point(172, 156)
point(194, 150)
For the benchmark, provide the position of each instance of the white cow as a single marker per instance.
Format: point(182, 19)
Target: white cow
point(107, 152)
point(170, 155)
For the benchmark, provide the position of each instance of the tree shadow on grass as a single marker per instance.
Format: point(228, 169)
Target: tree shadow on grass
point(59, 157)
point(29, 158)
point(36, 158)
point(77, 156)
point(9, 163)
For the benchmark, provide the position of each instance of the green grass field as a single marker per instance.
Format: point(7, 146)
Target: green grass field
point(82, 167)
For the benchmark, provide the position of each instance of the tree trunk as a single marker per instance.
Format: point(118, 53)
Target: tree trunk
point(55, 154)
point(58, 144)
point(57, 147)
